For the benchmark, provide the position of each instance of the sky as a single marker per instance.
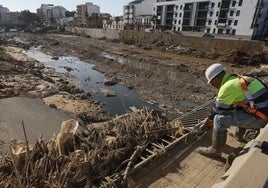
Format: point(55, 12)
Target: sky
point(115, 7)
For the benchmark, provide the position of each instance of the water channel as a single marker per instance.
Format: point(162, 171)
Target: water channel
point(92, 81)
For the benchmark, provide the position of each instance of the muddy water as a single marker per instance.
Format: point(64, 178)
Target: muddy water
point(92, 81)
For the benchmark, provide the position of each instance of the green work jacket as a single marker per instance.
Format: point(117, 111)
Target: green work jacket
point(231, 91)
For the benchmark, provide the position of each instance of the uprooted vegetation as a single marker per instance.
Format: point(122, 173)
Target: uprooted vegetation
point(93, 157)
point(236, 57)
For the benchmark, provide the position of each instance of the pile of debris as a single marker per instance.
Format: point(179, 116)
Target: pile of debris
point(239, 57)
point(85, 158)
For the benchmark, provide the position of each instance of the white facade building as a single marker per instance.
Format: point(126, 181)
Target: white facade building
point(58, 12)
point(139, 12)
point(230, 17)
point(92, 9)
point(42, 12)
point(128, 14)
point(49, 12)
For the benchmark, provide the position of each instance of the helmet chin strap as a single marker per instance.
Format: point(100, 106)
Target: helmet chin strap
point(216, 82)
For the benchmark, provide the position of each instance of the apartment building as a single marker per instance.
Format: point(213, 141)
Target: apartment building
point(260, 21)
point(229, 17)
point(128, 14)
point(11, 18)
point(85, 11)
point(49, 13)
point(3, 10)
point(139, 13)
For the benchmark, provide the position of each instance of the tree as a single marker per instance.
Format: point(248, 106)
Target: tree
point(69, 14)
point(117, 20)
point(27, 17)
point(95, 15)
point(153, 19)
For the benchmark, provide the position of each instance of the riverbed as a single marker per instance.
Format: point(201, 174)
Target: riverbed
point(121, 101)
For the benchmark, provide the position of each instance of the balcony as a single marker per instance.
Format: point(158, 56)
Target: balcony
point(221, 25)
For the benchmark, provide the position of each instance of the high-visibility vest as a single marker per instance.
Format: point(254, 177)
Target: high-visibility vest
point(250, 107)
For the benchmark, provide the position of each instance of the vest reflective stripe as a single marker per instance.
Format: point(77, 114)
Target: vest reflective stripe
point(250, 107)
point(221, 105)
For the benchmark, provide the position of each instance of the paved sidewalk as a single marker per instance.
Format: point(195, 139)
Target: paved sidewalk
point(189, 170)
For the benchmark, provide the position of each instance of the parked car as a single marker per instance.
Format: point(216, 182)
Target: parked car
point(149, 30)
point(208, 35)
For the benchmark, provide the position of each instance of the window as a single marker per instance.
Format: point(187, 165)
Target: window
point(176, 14)
point(240, 3)
point(180, 14)
point(235, 22)
point(233, 3)
point(211, 14)
point(209, 22)
point(228, 31)
point(212, 5)
point(238, 13)
point(159, 8)
point(177, 7)
point(217, 13)
point(219, 4)
point(175, 22)
point(181, 7)
point(214, 30)
point(216, 21)
point(208, 30)
point(231, 13)
point(233, 31)
point(179, 22)
point(220, 31)
point(229, 22)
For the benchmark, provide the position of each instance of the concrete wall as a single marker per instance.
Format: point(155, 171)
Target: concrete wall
point(250, 168)
point(95, 33)
point(176, 39)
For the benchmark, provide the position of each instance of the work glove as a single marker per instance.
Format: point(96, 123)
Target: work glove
point(208, 122)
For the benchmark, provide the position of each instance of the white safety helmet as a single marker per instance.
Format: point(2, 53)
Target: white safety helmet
point(213, 70)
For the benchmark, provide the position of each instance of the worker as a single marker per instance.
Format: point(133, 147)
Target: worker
point(241, 101)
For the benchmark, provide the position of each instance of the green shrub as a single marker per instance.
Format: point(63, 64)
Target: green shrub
point(128, 41)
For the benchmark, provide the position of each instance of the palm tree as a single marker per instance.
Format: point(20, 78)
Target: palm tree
point(153, 19)
point(117, 20)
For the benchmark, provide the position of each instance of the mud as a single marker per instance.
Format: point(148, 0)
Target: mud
point(172, 81)
point(176, 83)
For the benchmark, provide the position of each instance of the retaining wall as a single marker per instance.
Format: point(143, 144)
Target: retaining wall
point(110, 34)
point(196, 42)
point(176, 39)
